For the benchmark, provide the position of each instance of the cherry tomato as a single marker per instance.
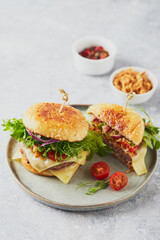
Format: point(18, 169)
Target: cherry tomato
point(51, 155)
point(100, 170)
point(118, 180)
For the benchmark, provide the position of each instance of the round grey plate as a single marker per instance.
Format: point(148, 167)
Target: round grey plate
point(50, 191)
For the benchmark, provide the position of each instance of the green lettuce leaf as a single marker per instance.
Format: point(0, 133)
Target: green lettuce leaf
point(92, 142)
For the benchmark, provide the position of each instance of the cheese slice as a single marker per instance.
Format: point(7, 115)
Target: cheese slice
point(138, 161)
point(65, 174)
point(41, 164)
point(17, 155)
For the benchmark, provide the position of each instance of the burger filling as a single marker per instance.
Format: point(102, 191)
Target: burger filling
point(54, 150)
point(112, 136)
point(40, 163)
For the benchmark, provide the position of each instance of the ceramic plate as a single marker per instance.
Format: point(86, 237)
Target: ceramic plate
point(50, 191)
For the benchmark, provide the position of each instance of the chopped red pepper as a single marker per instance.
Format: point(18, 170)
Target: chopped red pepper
point(127, 145)
point(134, 149)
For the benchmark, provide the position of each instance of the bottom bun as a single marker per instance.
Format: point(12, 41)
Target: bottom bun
point(28, 166)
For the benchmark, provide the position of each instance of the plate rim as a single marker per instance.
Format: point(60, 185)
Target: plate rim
point(77, 207)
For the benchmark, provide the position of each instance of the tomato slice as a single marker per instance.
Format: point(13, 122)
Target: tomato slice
point(51, 155)
point(118, 180)
point(100, 170)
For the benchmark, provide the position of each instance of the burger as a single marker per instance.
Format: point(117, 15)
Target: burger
point(53, 142)
point(123, 131)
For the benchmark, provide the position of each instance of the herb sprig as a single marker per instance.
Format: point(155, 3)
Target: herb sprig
point(92, 142)
point(96, 186)
point(151, 132)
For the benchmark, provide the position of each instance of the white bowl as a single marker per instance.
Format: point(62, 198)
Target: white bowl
point(138, 98)
point(90, 66)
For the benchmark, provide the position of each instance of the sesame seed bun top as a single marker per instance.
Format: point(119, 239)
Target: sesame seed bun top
point(45, 119)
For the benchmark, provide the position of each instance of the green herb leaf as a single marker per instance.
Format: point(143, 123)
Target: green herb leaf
point(151, 139)
point(100, 125)
point(92, 190)
point(16, 128)
point(96, 143)
point(90, 156)
point(84, 184)
point(151, 132)
point(97, 185)
point(103, 184)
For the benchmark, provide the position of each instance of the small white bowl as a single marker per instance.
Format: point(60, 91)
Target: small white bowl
point(90, 66)
point(138, 98)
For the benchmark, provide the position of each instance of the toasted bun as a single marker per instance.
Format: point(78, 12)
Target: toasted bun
point(28, 166)
point(25, 162)
point(45, 119)
point(128, 123)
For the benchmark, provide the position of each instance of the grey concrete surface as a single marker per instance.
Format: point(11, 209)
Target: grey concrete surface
point(35, 60)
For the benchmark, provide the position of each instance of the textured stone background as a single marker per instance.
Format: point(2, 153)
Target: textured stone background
point(35, 60)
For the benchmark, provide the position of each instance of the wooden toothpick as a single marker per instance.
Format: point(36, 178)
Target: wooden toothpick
point(65, 97)
point(130, 95)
